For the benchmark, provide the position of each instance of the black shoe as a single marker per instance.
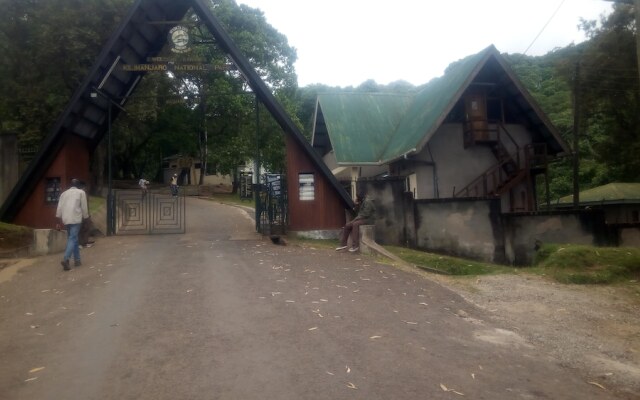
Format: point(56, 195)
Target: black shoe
point(65, 265)
point(77, 263)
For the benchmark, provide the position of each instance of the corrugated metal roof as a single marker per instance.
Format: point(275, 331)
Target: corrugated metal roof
point(357, 118)
point(373, 128)
point(431, 105)
point(611, 193)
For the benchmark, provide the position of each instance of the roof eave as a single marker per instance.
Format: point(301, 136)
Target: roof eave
point(534, 105)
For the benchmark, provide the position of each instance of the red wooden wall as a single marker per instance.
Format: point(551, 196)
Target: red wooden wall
point(326, 211)
point(72, 161)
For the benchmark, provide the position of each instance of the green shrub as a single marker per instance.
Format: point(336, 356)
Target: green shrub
point(587, 264)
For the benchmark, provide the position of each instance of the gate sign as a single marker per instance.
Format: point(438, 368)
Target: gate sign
point(179, 38)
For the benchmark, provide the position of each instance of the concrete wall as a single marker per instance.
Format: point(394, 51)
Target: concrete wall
point(522, 232)
point(456, 166)
point(464, 228)
point(479, 229)
point(394, 211)
point(445, 166)
point(9, 164)
point(48, 241)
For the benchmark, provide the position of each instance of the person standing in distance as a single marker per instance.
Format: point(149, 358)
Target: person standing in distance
point(143, 186)
point(174, 185)
point(72, 209)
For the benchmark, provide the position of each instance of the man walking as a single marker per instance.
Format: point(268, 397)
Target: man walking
point(72, 209)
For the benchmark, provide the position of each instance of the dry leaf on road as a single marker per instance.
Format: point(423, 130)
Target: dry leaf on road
point(598, 385)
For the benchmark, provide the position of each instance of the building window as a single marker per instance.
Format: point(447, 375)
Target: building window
point(306, 186)
point(51, 190)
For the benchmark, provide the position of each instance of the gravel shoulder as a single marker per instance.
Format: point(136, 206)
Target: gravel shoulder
point(593, 329)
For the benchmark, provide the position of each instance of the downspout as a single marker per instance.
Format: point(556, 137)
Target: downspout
point(436, 191)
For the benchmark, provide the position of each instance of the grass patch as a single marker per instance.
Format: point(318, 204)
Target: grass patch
point(95, 203)
point(568, 263)
point(15, 236)
point(446, 264)
point(427, 261)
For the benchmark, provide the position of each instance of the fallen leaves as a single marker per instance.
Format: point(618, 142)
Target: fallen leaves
point(33, 371)
point(446, 389)
point(597, 384)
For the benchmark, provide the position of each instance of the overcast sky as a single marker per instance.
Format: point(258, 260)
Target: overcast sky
point(346, 42)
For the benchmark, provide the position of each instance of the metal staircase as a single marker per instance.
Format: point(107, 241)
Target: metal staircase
point(511, 168)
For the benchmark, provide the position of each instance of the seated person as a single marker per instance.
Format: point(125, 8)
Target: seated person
point(365, 216)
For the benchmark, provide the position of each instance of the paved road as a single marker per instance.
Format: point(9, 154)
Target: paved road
point(219, 313)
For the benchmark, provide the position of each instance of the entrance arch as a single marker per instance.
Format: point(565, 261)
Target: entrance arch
point(87, 119)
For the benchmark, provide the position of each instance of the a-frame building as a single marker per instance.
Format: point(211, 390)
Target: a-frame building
point(142, 34)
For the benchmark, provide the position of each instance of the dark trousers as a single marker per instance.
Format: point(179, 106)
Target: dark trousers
point(85, 231)
point(352, 228)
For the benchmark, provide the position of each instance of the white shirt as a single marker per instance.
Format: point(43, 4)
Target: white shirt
point(72, 206)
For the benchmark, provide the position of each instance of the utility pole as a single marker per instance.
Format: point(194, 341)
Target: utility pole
point(576, 131)
point(637, 5)
point(204, 139)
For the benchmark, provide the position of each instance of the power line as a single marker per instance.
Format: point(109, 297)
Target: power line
point(544, 27)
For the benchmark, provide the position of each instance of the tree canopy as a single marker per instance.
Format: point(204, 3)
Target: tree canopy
point(48, 47)
point(211, 115)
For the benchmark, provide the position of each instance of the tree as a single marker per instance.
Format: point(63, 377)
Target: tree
point(223, 97)
point(610, 90)
point(47, 48)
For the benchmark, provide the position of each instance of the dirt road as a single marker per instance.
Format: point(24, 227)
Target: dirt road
point(218, 313)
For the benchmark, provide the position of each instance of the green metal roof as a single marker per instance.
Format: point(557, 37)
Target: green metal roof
point(375, 128)
point(610, 193)
point(357, 118)
point(431, 105)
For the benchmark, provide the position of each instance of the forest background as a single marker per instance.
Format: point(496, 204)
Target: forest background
point(47, 48)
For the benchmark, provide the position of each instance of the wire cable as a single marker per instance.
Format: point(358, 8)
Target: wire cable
point(545, 26)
